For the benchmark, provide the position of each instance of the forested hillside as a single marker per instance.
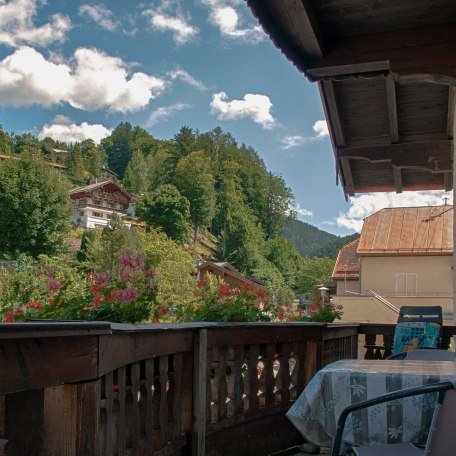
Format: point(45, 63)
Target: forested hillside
point(196, 183)
point(312, 242)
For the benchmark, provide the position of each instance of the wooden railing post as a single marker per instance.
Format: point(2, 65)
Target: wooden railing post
point(199, 393)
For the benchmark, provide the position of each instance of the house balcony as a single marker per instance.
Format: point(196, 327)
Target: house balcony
point(165, 389)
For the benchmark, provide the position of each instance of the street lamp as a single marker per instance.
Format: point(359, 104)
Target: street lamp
point(323, 290)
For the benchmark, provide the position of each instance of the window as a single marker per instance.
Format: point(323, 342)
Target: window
point(97, 202)
point(406, 284)
point(81, 213)
point(97, 214)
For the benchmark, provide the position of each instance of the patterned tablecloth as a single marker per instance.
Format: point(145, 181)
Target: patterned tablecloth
point(343, 383)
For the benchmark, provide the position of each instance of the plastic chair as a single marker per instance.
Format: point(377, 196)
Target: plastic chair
point(441, 440)
point(418, 327)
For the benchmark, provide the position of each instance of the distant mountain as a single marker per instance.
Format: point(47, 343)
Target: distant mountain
point(312, 242)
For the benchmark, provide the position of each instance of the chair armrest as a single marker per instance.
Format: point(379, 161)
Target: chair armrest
point(400, 394)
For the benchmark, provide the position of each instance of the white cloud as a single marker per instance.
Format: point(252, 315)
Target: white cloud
point(164, 113)
point(162, 20)
point(257, 107)
point(224, 15)
point(188, 78)
point(91, 80)
point(17, 25)
point(103, 16)
point(364, 205)
point(64, 129)
point(320, 127)
point(297, 209)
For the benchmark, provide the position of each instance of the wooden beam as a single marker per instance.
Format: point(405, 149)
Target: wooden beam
point(347, 70)
point(392, 108)
point(334, 115)
point(451, 108)
point(397, 179)
point(433, 156)
point(348, 176)
point(301, 15)
point(424, 79)
point(409, 52)
point(448, 181)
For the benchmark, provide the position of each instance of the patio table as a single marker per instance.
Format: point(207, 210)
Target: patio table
point(348, 382)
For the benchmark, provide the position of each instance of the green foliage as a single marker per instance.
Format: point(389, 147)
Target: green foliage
point(167, 209)
point(322, 312)
point(196, 182)
point(312, 242)
point(125, 139)
point(313, 271)
point(34, 209)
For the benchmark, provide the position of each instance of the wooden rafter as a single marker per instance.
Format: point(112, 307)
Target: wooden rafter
point(397, 179)
point(406, 155)
point(392, 108)
point(448, 181)
point(302, 17)
point(348, 176)
point(451, 108)
point(333, 111)
point(349, 70)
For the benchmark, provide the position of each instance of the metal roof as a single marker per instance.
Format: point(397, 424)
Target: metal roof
point(408, 231)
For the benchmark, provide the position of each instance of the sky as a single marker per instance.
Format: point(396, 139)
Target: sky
point(75, 70)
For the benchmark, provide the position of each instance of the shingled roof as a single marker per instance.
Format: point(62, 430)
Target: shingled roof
point(408, 231)
point(347, 264)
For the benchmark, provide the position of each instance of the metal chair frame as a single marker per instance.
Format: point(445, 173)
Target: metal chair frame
point(441, 388)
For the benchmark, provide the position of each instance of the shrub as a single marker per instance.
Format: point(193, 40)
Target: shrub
point(217, 301)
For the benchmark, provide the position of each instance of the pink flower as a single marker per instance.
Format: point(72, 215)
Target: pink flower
point(53, 285)
point(97, 300)
point(126, 295)
point(129, 261)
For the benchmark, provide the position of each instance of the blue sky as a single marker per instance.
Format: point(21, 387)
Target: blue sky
point(73, 70)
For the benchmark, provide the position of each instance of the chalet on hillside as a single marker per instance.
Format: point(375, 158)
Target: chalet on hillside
point(229, 274)
point(56, 167)
point(404, 254)
point(95, 203)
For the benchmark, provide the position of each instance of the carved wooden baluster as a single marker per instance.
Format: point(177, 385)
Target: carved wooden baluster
point(109, 422)
point(254, 353)
point(301, 348)
point(222, 392)
point(135, 391)
point(121, 383)
point(230, 381)
point(163, 417)
point(238, 380)
point(388, 343)
point(284, 373)
point(177, 397)
point(369, 346)
point(209, 385)
point(149, 373)
point(294, 366)
point(215, 383)
point(268, 373)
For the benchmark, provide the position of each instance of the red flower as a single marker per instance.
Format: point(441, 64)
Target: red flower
point(224, 290)
point(280, 315)
point(34, 306)
point(97, 300)
point(155, 320)
point(201, 283)
point(262, 293)
point(161, 310)
point(10, 315)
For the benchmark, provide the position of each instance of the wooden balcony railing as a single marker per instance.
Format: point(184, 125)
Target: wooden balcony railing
point(109, 389)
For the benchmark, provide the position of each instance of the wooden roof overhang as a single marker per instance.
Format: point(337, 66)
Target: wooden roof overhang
point(386, 72)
